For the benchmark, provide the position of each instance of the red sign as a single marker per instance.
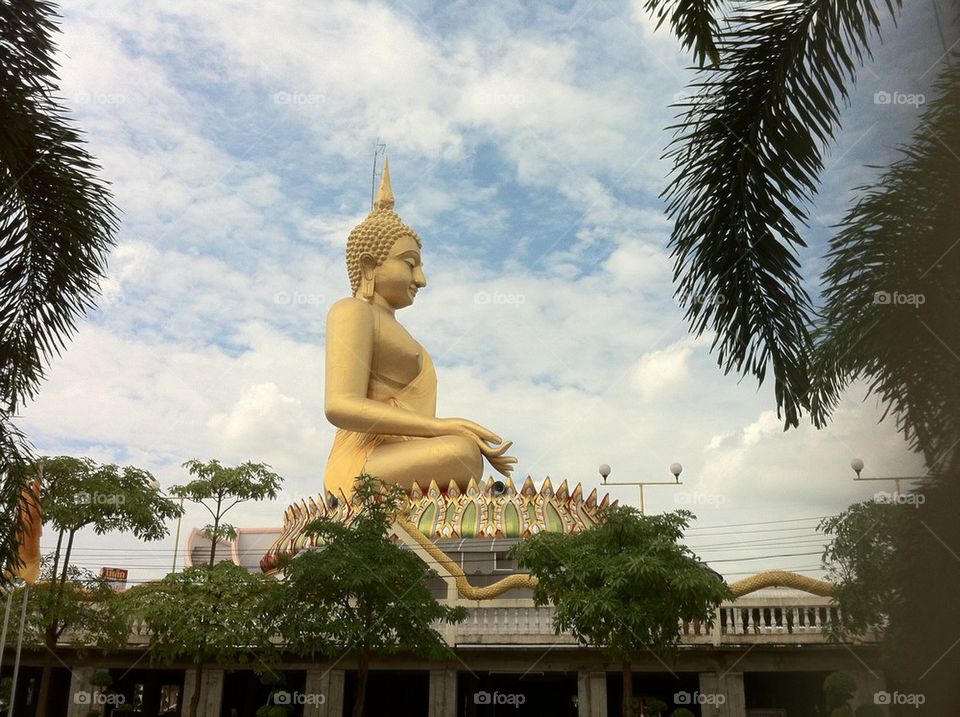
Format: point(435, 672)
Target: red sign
point(117, 577)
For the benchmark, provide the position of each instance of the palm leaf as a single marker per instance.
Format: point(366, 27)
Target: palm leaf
point(57, 221)
point(747, 157)
point(891, 289)
point(694, 22)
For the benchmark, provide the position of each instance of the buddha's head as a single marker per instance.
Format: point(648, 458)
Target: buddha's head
point(380, 247)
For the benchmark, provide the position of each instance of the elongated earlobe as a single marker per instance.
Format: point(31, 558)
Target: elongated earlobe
point(366, 289)
point(368, 268)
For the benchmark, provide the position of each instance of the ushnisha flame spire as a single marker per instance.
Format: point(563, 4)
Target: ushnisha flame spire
point(384, 198)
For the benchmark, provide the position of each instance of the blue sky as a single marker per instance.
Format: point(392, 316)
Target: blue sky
point(525, 148)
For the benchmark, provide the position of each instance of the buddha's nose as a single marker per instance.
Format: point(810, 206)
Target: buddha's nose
point(419, 278)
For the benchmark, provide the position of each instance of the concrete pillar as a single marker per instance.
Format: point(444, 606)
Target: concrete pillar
point(443, 693)
point(591, 694)
point(868, 685)
point(81, 692)
point(324, 693)
point(721, 694)
point(211, 691)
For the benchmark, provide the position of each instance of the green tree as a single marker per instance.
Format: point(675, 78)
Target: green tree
point(86, 610)
point(57, 223)
point(73, 607)
point(207, 614)
point(272, 708)
point(78, 493)
point(887, 561)
point(838, 689)
point(360, 591)
point(861, 561)
point(624, 585)
point(219, 488)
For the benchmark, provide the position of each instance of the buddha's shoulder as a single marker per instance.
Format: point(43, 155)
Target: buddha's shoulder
point(351, 310)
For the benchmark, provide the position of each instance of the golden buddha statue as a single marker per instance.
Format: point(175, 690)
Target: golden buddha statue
point(381, 387)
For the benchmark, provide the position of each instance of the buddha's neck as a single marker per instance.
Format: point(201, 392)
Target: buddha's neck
point(383, 305)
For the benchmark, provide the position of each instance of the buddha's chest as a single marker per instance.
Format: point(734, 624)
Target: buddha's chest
point(396, 355)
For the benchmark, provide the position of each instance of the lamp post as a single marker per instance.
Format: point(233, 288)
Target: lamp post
point(857, 465)
point(675, 468)
point(176, 541)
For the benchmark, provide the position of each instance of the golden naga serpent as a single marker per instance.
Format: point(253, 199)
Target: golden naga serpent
point(770, 578)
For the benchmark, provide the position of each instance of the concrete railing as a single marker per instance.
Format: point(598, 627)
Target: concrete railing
point(744, 621)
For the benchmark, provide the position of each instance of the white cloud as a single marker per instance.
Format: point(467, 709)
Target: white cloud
point(664, 370)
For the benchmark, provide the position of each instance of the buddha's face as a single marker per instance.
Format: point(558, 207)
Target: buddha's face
point(400, 276)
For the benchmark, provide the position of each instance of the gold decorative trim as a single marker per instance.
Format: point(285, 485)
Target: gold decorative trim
point(473, 512)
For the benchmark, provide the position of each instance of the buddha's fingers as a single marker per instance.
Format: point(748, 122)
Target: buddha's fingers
point(492, 452)
point(463, 427)
point(503, 464)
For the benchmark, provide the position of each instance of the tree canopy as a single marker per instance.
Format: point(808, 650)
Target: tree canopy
point(219, 488)
point(207, 614)
point(85, 611)
point(861, 560)
point(359, 591)
point(624, 585)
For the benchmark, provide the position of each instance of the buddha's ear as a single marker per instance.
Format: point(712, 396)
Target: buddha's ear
point(368, 267)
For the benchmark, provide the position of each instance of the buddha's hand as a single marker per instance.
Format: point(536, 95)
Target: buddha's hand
point(501, 463)
point(492, 446)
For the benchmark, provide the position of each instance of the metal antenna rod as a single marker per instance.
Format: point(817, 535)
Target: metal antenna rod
point(379, 150)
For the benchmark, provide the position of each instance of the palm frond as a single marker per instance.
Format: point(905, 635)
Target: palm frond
point(747, 156)
point(891, 288)
point(694, 22)
point(15, 456)
point(56, 218)
point(57, 223)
